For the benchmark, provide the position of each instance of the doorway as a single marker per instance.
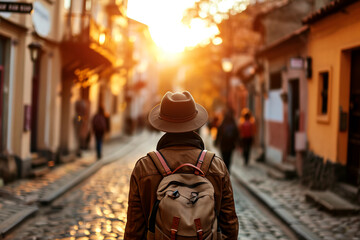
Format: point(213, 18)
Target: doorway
point(34, 104)
point(353, 157)
point(2, 73)
point(294, 113)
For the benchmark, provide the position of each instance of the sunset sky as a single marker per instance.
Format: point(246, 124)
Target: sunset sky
point(164, 20)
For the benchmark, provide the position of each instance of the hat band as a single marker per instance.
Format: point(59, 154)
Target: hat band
point(178, 120)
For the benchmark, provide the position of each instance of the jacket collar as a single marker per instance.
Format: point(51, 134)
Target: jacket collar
point(180, 139)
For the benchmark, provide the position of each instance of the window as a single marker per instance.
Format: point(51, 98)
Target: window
point(275, 80)
point(88, 5)
point(115, 104)
point(324, 96)
point(324, 92)
point(67, 4)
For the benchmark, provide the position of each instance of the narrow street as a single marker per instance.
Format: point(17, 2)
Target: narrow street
point(86, 86)
point(96, 209)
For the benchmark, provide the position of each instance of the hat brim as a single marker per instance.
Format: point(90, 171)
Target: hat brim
point(178, 127)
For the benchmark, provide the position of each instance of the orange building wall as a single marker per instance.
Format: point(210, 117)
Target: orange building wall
point(330, 42)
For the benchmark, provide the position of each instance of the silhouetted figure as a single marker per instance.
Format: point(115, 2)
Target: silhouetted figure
point(99, 127)
point(247, 131)
point(227, 137)
point(82, 125)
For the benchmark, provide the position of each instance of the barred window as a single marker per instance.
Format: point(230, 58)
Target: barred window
point(275, 80)
point(324, 92)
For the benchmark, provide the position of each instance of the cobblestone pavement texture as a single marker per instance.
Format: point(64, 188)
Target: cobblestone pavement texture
point(290, 194)
point(28, 189)
point(21, 196)
point(253, 224)
point(97, 208)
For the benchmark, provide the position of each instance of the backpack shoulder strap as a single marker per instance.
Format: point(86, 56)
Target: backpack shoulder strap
point(160, 163)
point(204, 161)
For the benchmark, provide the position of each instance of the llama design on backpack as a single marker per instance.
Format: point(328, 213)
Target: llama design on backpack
point(185, 206)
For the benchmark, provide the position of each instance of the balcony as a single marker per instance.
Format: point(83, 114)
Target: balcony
point(87, 44)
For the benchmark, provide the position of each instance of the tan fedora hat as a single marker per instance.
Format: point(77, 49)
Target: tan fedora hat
point(177, 113)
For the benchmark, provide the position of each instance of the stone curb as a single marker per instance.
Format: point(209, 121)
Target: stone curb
point(48, 198)
point(302, 231)
point(17, 218)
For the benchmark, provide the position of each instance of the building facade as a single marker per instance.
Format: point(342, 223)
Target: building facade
point(333, 105)
point(284, 86)
point(30, 83)
point(57, 66)
point(94, 69)
point(142, 85)
point(285, 110)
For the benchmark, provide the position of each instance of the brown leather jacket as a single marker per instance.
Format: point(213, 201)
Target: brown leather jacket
point(177, 149)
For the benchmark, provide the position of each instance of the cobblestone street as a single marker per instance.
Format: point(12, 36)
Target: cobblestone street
point(288, 197)
point(253, 223)
point(88, 87)
point(96, 209)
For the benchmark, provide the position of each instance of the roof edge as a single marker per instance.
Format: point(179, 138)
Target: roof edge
point(333, 7)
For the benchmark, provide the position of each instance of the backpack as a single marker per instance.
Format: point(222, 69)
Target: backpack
point(185, 205)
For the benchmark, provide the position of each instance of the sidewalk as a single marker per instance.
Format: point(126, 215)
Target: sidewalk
point(286, 199)
point(20, 199)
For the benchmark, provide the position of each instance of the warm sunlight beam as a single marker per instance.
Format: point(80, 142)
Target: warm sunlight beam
point(164, 20)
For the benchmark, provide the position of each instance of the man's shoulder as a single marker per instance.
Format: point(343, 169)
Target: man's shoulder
point(143, 160)
point(217, 166)
point(144, 166)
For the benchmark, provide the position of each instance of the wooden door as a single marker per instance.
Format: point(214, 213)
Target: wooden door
point(1, 106)
point(2, 63)
point(34, 105)
point(294, 113)
point(353, 161)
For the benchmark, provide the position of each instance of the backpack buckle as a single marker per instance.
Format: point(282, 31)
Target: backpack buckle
point(174, 227)
point(194, 197)
point(175, 194)
point(199, 229)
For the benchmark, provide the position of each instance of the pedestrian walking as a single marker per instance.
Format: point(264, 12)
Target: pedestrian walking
point(227, 137)
point(180, 190)
point(99, 126)
point(247, 132)
point(82, 126)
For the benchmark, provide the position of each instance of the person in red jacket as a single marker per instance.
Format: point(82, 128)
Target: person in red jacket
point(247, 132)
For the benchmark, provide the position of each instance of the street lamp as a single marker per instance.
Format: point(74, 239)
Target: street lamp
point(35, 49)
point(102, 38)
point(227, 67)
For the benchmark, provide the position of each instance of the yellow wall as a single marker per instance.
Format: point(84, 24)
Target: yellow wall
point(330, 42)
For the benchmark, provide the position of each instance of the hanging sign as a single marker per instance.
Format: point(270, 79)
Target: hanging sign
point(6, 14)
point(16, 7)
point(297, 63)
point(41, 19)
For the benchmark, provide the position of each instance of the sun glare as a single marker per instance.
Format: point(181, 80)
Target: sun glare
point(164, 20)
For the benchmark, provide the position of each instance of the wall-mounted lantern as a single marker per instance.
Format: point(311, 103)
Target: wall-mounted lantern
point(226, 65)
point(35, 51)
point(284, 97)
point(102, 38)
